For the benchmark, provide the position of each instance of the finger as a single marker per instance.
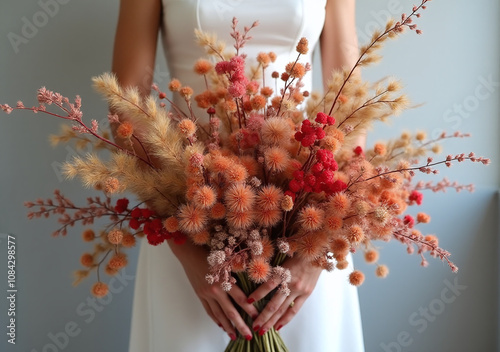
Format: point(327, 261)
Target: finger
point(282, 310)
point(290, 312)
point(262, 291)
point(210, 313)
point(230, 312)
point(220, 316)
point(274, 306)
point(241, 299)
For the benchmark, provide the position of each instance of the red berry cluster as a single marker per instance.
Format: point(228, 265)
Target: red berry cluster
point(409, 221)
point(310, 133)
point(416, 197)
point(152, 227)
point(320, 178)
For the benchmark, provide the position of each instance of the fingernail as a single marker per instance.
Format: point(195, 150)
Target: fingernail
point(262, 332)
point(250, 300)
point(232, 336)
point(254, 316)
point(248, 337)
point(279, 327)
point(256, 327)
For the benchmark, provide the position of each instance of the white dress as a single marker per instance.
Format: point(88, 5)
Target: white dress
point(167, 315)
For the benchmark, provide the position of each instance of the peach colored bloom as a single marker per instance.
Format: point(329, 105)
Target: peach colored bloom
point(258, 102)
point(118, 261)
point(171, 224)
point(88, 235)
point(218, 211)
point(204, 197)
point(87, 259)
point(186, 92)
point(276, 159)
point(269, 197)
point(334, 223)
point(287, 203)
point(268, 217)
point(240, 220)
point(302, 46)
point(342, 264)
point(423, 218)
point(100, 289)
point(202, 67)
point(187, 127)
point(174, 85)
point(311, 218)
point(239, 198)
point(115, 236)
point(258, 270)
point(356, 278)
point(125, 130)
point(355, 234)
point(371, 256)
point(201, 238)
point(191, 219)
point(296, 70)
point(111, 185)
point(380, 149)
point(276, 130)
point(128, 240)
point(382, 271)
point(266, 91)
point(236, 173)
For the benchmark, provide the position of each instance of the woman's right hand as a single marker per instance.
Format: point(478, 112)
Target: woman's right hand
point(216, 301)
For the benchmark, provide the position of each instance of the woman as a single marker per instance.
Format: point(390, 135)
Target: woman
point(166, 315)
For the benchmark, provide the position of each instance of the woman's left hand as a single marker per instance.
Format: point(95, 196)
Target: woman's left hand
point(280, 310)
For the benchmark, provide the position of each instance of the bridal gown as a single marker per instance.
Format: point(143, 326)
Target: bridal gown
point(167, 315)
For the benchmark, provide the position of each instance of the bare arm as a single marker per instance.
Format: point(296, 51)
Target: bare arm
point(133, 62)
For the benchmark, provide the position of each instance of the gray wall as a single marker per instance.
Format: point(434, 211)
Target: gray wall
point(414, 309)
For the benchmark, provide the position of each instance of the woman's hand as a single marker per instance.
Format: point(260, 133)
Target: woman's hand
point(280, 310)
point(216, 302)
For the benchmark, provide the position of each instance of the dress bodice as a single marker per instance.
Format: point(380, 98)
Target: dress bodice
point(281, 24)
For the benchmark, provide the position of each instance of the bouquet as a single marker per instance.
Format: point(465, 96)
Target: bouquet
point(269, 177)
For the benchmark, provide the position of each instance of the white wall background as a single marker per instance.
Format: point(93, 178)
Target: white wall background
point(411, 310)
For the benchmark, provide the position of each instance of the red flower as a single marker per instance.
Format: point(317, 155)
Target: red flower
point(416, 197)
point(321, 118)
point(409, 221)
point(358, 151)
point(121, 205)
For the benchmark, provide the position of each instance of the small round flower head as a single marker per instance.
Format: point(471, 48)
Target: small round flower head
point(283, 246)
point(236, 173)
point(110, 271)
point(87, 260)
point(311, 218)
point(355, 234)
point(202, 66)
point(125, 130)
point(302, 47)
point(255, 247)
point(334, 223)
point(174, 85)
point(210, 279)
point(201, 238)
point(187, 127)
point(186, 92)
point(88, 235)
point(421, 136)
point(191, 219)
point(218, 211)
point(269, 197)
point(312, 246)
point(118, 261)
point(100, 289)
point(276, 159)
point(268, 217)
point(287, 203)
point(216, 258)
point(226, 286)
point(240, 220)
point(382, 271)
point(275, 130)
point(258, 102)
point(432, 239)
point(111, 185)
point(340, 202)
point(275, 74)
point(115, 236)
point(171, 224)
point(437, 149)
point(204, 197)
point(356, 278)
point(423, 218)
point(371, 256)
point(239, 198)
point(128, 240)
point(295, 69)
point(258, 270)
point(380, 149)
point(342, 264)
point(340, 246)
point(266, 91)
point(263, 59)
point(381, 214)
